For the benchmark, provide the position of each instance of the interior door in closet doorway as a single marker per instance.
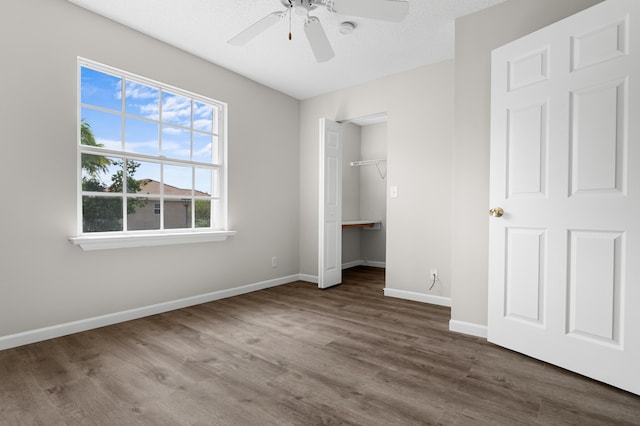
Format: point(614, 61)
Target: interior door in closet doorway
point(330, 202)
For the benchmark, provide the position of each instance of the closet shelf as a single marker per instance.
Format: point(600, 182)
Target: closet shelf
point(373, 225)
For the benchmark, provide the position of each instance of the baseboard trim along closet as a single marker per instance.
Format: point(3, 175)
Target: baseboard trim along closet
point(468, 328)
point(372, 263)
point(45, 333)
point(418, 297)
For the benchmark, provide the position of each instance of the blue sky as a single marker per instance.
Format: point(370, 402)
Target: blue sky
point(142, 103)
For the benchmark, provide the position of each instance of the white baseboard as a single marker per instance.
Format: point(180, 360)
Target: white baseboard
point(418, 297)
point(308, 278)
point(373, 263)
point(45, 333)
point(352, 264)
point(468, 328)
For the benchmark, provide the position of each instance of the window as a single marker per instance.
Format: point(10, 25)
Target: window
point(151, 157)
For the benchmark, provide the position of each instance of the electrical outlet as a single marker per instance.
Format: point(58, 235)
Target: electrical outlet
point(274, 262)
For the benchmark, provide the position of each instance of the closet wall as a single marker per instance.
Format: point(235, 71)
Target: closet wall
point(363, 193)
point(373, 192)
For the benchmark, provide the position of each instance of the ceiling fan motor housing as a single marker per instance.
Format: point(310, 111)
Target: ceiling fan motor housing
point(386, 10)
point(301, 7)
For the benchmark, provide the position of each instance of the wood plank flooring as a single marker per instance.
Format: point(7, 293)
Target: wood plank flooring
point(296, 355)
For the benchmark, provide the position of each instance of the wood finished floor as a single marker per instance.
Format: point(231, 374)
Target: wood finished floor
point(296, 355)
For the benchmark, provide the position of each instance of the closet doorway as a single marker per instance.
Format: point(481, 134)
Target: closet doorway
point(353, 188)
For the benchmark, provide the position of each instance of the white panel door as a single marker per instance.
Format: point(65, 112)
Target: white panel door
point(564, 266)
point(330, 235)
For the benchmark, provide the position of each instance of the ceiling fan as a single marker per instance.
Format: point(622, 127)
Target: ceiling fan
point(386, 10)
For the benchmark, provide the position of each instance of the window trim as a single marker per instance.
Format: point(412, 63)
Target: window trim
point(139, 238)
point(114, 240)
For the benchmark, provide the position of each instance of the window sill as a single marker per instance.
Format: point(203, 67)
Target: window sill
point(104, 242)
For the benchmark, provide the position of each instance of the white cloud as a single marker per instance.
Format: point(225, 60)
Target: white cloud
point(139, 91)
point(175, 150)
point(143, 147)
point(110, 143)
point(176, 109)
point(205, 150)
point(166, 130)
point(202, 110)
point(203, 124)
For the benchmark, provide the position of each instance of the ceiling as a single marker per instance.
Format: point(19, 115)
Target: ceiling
point(373, 50)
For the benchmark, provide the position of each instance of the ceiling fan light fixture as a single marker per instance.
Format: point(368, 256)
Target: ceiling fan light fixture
point(385, 10)
point(347, 27)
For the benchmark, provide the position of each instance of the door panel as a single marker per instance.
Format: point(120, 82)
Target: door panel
point(594, 285)
point(330, 225)
point(527, 147)
point(525, 274)
point(600, 45)
point(598, 142)
point(564, 269)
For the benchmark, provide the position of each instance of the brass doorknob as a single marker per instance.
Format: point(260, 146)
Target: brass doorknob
point(496, 212)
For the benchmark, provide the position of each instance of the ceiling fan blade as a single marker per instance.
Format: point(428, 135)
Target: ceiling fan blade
point(318, 39)
point(256, 29)
point(385, 10)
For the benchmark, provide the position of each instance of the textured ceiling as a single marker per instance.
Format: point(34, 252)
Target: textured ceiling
point(375, 48)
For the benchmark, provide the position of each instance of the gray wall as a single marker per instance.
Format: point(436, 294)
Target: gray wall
point(420, 127)
point(350, 136)
point(476, 36)
point(373, 193)
point(44, 280)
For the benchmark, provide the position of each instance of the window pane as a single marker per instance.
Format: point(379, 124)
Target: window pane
point(176, 109)
point(203, 214)
point(133, 185)
point(203, 117)
point(177, 214)
point(141, 137)
point(204, 147)
point(141, 213)
point(101, 214)
point(100, 89)
point(101, 129)
point(148, 177)
point(177, 180)
point(100, 174)
point(142, 100)
point(176, 143)
point(203, 181)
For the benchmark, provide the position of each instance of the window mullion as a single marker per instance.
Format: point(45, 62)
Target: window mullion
point(123, 96)
point(162, 199)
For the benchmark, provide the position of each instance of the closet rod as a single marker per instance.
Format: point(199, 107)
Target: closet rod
point(377, 163)
point(367, 162)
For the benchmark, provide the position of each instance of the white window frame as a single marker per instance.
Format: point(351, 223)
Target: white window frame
point(127, 238)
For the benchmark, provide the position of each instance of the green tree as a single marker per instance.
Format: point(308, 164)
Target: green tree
point(101, 214)
point(133, 186)
point(92, 164)
point(203, 214)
